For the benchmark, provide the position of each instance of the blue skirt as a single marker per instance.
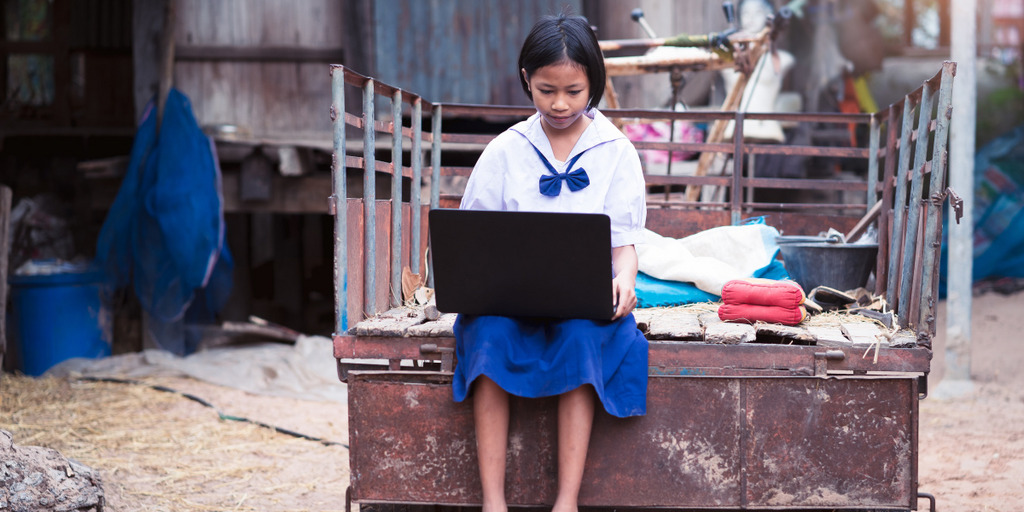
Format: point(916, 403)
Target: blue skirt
point(538, 358)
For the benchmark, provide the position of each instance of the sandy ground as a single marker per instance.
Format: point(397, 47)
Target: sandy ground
point(972, 446)
point(160, 451)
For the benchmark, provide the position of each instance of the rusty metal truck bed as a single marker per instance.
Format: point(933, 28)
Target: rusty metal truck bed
point(819, 417)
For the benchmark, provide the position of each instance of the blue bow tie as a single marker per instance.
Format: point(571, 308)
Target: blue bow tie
point(551, 185)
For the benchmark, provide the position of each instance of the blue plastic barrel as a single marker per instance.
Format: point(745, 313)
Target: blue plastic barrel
point(55, 317)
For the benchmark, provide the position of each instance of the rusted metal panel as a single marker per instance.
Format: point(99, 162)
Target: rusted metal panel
point(356, 255)
point(696, 357)
point(678, 223)
point(459, 50)
point(759, 443)
point(412, 441)
point(831, 443)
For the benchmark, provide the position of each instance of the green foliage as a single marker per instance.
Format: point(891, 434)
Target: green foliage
point(999, 112)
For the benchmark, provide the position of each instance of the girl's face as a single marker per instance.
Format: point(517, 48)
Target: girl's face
point(560, 92)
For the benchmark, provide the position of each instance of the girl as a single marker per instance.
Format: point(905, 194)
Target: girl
point(565, 158)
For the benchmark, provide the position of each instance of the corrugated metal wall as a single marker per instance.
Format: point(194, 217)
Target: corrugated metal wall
point(445, 50)
point(270, 97)
point(466, 50)
point(461, 51)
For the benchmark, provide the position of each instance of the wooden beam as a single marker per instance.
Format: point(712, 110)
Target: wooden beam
point(307, 194)
point(5, 211)
point(167, 61)
point(259, 54)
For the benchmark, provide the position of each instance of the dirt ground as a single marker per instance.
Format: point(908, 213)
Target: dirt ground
point(161, 451)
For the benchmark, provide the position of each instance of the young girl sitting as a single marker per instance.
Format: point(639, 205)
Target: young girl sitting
point(567, 157)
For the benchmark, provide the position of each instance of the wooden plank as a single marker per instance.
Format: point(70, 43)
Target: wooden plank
point(828, 336)
point(903, 339)
point(394, 322)
point(863, 333)
point(728, 333)
point(673, 324)
point(442, 327)
point(5, 213)
point(725, 333)
point(643, 318)
point(237, 53)
point(793, 333)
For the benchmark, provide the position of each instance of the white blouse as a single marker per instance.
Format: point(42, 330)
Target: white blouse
point(507, 176)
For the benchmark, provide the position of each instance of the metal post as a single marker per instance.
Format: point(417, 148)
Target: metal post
point(435, 157)
point(750, 174)
point(933, 221)
point(369, 203)
point(338, 201)
point(908, 317)
point(396, 198)
point(737, 170)
point(435, 173)
point(899, 205)
point(414, 189)
point(874, 194)
point(961, 178)
point(884, 214)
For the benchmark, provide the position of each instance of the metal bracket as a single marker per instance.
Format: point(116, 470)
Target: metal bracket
point(821, 360)
point(332, 204)
point(955, 201)
point(931, 500)
point(342, 372)
point(447, 355)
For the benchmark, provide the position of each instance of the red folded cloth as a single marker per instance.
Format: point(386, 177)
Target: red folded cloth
point(762, 300)
point(763, 292)
point(751, 313)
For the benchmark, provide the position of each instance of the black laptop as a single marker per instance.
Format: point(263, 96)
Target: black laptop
point(524, 264)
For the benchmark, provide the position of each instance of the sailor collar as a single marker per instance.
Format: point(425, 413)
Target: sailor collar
point(599, 132)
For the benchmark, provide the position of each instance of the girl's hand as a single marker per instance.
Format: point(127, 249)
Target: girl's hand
point(624, 291)
point(624, 265)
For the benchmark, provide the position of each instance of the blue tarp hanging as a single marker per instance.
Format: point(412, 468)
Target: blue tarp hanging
point(998, 210)
point(164, 233)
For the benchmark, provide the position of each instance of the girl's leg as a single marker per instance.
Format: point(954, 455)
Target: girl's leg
point(490, 413)
point(575, 418)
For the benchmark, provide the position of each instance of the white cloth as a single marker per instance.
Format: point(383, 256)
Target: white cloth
point(507, 176)
point(306, 370)
point(710, 258)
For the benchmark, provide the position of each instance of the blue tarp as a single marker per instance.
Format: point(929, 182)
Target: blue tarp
point(998, 210)
point(164, 234)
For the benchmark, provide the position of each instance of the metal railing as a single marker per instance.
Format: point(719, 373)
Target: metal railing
point(893, 190)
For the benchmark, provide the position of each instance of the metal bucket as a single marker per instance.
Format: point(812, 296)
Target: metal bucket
point(835, 265)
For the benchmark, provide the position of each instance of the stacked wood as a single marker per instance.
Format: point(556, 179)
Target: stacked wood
point(685, 324)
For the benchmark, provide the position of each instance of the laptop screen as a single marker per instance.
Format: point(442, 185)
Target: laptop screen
point(528, 264)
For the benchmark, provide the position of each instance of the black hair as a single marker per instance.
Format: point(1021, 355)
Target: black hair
point(555, 39)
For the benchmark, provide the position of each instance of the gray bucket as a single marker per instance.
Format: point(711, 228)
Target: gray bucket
point(835, 265)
